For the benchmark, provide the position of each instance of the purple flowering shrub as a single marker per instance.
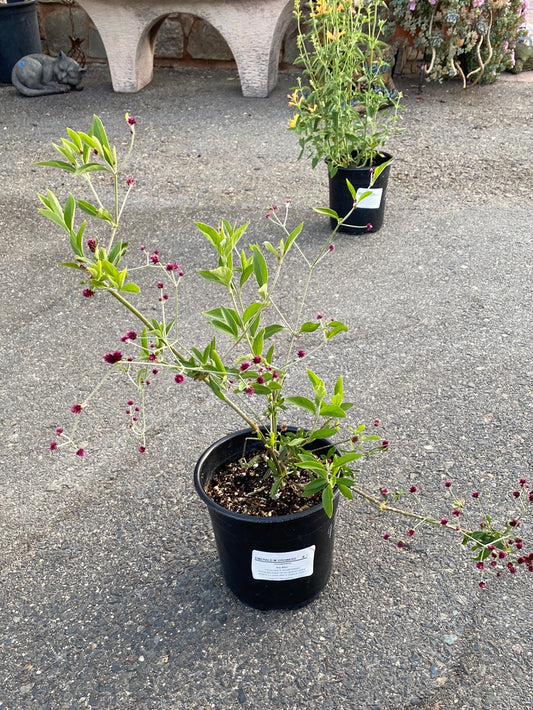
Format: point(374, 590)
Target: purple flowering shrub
point(260, 338)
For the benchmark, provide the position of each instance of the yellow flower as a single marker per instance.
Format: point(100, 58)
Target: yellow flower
point(333, 37)
point(321, 8)
point(294, 99)
point(293, 121)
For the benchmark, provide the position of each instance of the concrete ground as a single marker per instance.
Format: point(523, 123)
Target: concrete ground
point(110, 589)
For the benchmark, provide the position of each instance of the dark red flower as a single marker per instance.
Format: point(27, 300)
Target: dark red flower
point(112, 358)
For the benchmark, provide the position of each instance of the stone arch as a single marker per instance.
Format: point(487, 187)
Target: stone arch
point(253, 30)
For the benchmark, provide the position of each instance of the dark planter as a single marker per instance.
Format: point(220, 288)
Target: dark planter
point(340, 198)
point(19, 35)
point(269, 563)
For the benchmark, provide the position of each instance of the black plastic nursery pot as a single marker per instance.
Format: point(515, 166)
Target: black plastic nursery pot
point(19, 34)
point(280, 562)
point(370, 215)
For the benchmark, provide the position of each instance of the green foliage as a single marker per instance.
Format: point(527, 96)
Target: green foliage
point(472, 40)
point(344, 111)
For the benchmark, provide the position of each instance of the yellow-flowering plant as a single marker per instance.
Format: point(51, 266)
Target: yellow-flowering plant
point(345, 105)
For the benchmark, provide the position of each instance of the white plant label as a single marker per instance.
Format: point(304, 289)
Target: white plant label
point(372, 201)
point(282, 566)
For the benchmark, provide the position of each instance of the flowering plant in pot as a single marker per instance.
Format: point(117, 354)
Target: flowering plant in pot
point(272, 489)
point(473, 40)
point(345, 108)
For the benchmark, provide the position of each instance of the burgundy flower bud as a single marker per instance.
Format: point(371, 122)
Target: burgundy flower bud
point(112, 358)
point(91, 243)
point(179, 379)
point(76, 409)
point(88, 292)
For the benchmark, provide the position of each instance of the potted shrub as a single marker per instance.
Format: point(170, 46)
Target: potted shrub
point(345, 108)
point(19, 34)
point(473, 41)
point(272, 489)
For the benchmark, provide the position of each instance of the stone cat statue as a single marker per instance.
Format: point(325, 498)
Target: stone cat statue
point(39, 74)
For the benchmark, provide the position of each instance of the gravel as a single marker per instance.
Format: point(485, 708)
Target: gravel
point(110, 586)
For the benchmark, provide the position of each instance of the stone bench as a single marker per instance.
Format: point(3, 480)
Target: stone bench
point(253, 30)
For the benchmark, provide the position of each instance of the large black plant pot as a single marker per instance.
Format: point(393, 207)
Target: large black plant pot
point(269, 563)
point(19, 34)
point(363, 219)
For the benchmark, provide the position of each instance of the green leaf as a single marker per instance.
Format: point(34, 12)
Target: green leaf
point(292, 236)
point(210, 233)
point(332, 410)
point(245, 274)
point(259, 266)
point(251, 311)
point(75, 138)
point(351, 189)
point(98, 130)
point(327, 501)
point(364, 194)
point(334, 328)
point(62, 165)
point(324, 433)
point(347, 458)
point(221, 275)
point(223, 327)
point(69, 210)
point(379, 169)
point(130, 288)
point(111, 272)
point(70, 264)
point(313, 465)
point(327, 212)
point(314, 486)
point(53, 217)
point(302, 402)
point(257, 344)
point(309, 327)
point(345, 491)
point(88, 168)
point(275, 486)
point(271, 330)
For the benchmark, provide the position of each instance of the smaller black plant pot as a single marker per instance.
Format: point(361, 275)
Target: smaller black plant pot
point(280, 562)
point(363, 219)
point(19, 35)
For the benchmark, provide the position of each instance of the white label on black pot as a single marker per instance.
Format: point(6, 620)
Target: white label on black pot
point(372, 201)
point(281, 566)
